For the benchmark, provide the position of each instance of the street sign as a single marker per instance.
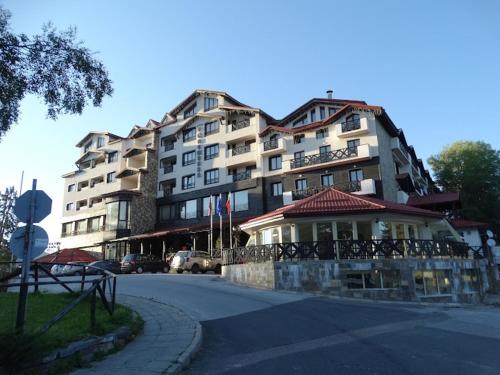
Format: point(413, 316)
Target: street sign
point(43, 206)
point(39, 238)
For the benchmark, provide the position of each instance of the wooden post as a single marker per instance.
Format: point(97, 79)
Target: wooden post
point(35, 265)
point(92, 309)
point(82, 286)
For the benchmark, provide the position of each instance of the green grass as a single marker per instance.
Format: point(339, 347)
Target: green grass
point(74, 326)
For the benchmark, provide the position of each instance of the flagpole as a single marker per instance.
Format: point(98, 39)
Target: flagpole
point(211, 235)
point(220, 223)
point(230, 222)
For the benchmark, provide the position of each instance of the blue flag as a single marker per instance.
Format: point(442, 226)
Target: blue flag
point(220, 207)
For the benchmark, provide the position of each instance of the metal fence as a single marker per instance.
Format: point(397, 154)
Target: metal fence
point(352, 249)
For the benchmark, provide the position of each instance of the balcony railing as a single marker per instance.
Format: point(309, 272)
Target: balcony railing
point(168, 147)
point(167, 191)
point(247, 175)
point(351, 186)
point(270, 145)
point(350, 125)
point(240, 125)
point(352, 249)
point(324, 157)
point(240, 150)
point(168, 169)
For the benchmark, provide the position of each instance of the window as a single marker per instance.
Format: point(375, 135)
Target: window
point(189, 134)
point(87, 146)
point(323, 150)
point(190, 111)
point(211, 127)
point(210, 103)
point(188, 209)
point(353, 143)
point(352, 118)
point(305, 232)
point(112, 157)
point(327, 180)
point(110, 177)
point(299, 155)
point(100, 142)
point(322, 133)
point(66, 229)
point(301, 184)
point(205, 205)
point(118, 215)
point(93, 224)
point(211, 176)
point(276, 189)
point(167, 143)
point(299, 138)
point(275, 163)
point(435, 282)
point(239, 201)
point(189, 158)
point(71, 187)
point(301, 121)
point(321, 113)
point(167, 212)
point(331, 111)
point(470, 280)
point(211, 151)
point(374, 279)
point(313, 115)
point(325, 232)
point(188, 182)
point(355, 175)
point(70, 206)
point(344, 230)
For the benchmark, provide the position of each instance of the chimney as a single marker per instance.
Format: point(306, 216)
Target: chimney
point(330, 94)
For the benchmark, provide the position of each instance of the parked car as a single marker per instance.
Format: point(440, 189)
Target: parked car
point(196, 261)
point(108, 265)
point(140, 263)
point(73, 269)
point(57, 269)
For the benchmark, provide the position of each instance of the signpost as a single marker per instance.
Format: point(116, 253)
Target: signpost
point(29, 241)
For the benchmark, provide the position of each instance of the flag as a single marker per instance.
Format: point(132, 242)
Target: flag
point(210, 206)
point(219, 208)
point(228, 204)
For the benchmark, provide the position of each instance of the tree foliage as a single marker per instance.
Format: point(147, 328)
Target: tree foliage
point(473, 169)
point(53, 66)
point(8, 221)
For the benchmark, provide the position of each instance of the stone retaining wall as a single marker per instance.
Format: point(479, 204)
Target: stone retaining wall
point(330, 277)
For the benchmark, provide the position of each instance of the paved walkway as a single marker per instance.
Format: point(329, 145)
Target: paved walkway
point(166, 345)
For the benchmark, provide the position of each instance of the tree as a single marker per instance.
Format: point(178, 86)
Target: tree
point(473, 169)
point(53, 66)
point(8, 221)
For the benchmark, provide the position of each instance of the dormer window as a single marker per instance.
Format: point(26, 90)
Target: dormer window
point(301, 121)
point(210, 103)
point(190, 111)
point(101, 141)
point(313, 115)
point(87, 146)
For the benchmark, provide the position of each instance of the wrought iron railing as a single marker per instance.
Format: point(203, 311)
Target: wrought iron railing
point(324, 157)
point(242, 176)
point(240, 150)
point(240, 124)
point(352, 249)
point(350, 186)
point(270, 145)
point(350, 125)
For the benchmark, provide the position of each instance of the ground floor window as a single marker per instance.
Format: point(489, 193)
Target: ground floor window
point(305, 232)
point(470, 280)
point(433, 282)
point(374, 279)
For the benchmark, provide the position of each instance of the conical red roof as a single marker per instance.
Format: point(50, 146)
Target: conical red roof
point(67, 255)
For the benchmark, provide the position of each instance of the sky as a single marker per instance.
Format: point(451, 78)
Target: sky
point(433, 65)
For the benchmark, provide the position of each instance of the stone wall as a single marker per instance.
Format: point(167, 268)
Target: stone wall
point(330, 277)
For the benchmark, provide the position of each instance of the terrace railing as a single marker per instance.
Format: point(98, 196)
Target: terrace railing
point(350, 125)
point(352, 249)
point(270, 145)
point(324, 157)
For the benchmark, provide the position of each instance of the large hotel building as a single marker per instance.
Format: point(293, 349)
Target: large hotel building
point(212, 144)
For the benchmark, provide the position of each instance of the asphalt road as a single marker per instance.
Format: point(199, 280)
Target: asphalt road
point(251, 331)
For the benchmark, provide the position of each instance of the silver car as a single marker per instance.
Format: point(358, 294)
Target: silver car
point(195, 261)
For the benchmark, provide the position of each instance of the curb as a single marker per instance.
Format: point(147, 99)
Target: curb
point(188, 355)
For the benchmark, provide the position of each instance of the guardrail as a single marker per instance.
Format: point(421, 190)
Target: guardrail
point(105, 281)
point(351, 249)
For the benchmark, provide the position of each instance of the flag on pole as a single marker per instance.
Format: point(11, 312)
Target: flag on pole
point(228, 208)
point(228, 204)
point(210, 206)
point(219, 206)
point(211, 234)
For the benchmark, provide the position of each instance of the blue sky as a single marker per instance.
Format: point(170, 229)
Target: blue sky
point(433, 65)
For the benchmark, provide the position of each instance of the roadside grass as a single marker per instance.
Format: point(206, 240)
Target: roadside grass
point(29, 349)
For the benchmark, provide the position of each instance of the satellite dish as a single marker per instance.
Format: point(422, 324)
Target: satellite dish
point(489, 233)
point(491, 242)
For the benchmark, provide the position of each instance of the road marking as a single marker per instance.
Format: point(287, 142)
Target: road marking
point(244, 360)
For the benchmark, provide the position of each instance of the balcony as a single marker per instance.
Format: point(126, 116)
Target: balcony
point(272, 147)
point(240, 130)
point(242, 176)
point(400, 151)
point(352, 128)
point(241, 156)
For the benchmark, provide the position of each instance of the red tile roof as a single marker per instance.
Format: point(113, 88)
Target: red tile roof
point(462, 223)
point(332, 202)
point(67, 255)
point(434, 199)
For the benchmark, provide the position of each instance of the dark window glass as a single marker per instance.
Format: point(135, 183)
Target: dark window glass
point(239, 200)
point(301, 121)
point(188, 182)
point(356, 175)
point(112, 157)
point(324, 150)
point(189, 134)
point(188, 209)
point(322, 133)
point(353, 143)
point(190, 111)
point(299, 155)
point(327, 180)
point(321, 113)
point(301, 184)
point(71, 187)
point(100, 142)
point(313, 115)
point(331, 111)
point(110, 177)
point(167, 212)
point(211, 151)
point(352, 118)
point(299, 138)
point(210, 103)
point(211, 176)
point(189, 158)
point(276, 189)
point(211, 127)
point(275, 162)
